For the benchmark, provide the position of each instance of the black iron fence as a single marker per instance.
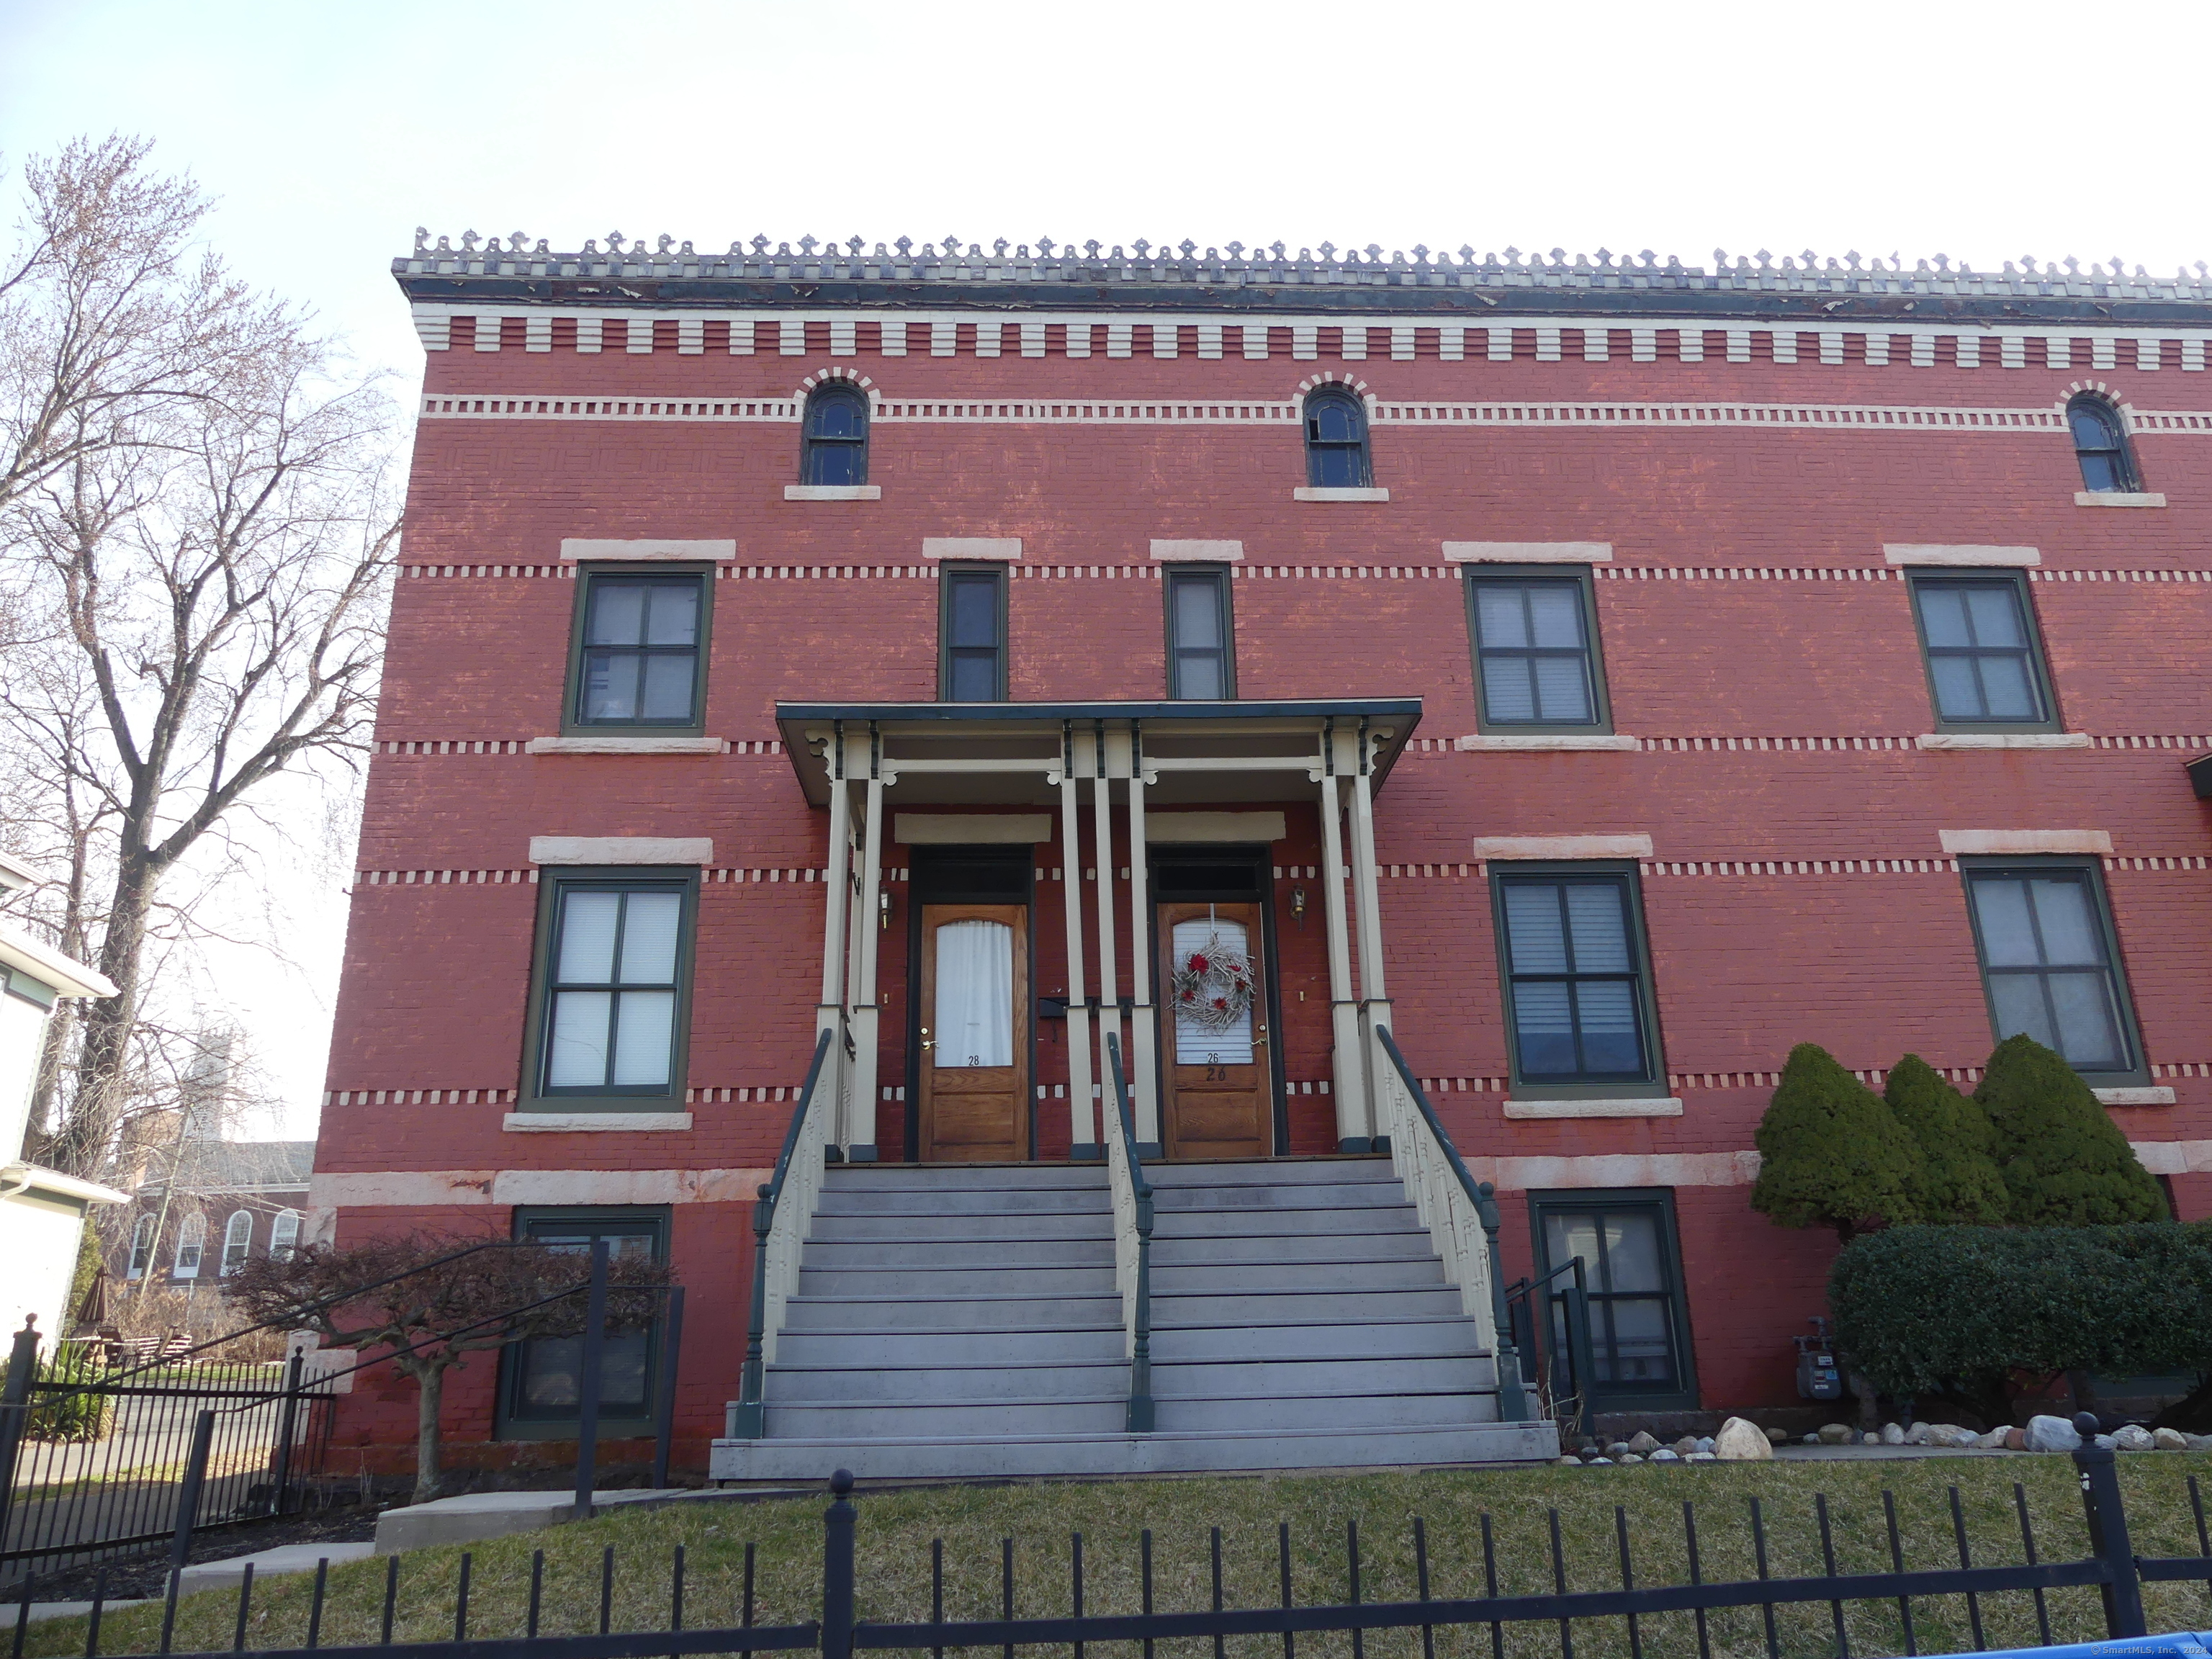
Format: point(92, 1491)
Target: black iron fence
point(100, 1457)
point(1550, 1620)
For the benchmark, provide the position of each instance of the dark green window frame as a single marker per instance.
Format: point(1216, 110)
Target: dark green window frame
point(1520, 576)
point(521, 1419)
point(1681, 1393)
point(951, 577)
point(588, 577)
point(1174, 580)
point(2039, 668)
point(2088, 871)
point(553, 883)
point(1624, 877)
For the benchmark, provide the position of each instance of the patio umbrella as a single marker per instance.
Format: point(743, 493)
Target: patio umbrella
point(98, 1307)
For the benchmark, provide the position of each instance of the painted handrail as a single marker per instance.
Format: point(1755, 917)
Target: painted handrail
point(780, 1218)
point(1133, 1241)
point(1460, 1213)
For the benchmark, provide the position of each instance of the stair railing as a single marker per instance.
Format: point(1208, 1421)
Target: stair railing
point(1133, 1241)
point(1461, 1214)
point(781, 1218)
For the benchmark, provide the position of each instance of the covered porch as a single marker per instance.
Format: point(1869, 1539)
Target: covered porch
point(1177, 833)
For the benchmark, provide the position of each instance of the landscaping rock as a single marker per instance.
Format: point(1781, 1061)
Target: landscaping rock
point(1920, 1434)
point(2104, 1442)
point(2015, 1439)
point(2169, 1439)
point(1994, 1439)
point(2132, 1436)
point(1665, 1455)
point(1778, 1437)
point(1950, 1434)
point(1893, 1434)
point(1642, 1443)
point(1632, 1457)
point(1815, 1440)
point(1568, 1462)
point(2052, 1434)
point(1871, 1437)
point(1618, 1450)
point(2198, 1442)
point(1833, 1434)
point(1740, 1441)
point(1700, 1457)
point(1685, 1445)
point(1705, 1443)
point(1606, 1462)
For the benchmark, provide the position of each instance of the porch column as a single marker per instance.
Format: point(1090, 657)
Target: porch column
point(1144, 1037)
point(1374, 998)
point(830, 1012)
point(1109, 1012)
point(1082, 1114)
point(860, 986)
point(1348, 1066)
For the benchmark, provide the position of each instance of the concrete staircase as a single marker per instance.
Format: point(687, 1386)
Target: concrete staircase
point(961, 1320)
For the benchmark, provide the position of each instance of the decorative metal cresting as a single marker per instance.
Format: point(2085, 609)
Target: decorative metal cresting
point(1133, 1240)
point(780, 1218)
point(1460, 1213)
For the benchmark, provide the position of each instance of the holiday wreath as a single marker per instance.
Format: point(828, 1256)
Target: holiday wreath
point(1213, 987)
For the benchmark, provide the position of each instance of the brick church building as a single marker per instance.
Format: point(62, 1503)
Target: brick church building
point(1130, 783)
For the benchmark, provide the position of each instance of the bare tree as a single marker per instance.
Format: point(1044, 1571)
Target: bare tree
point(196, 577)
point(436, 1311)
point(106, 308)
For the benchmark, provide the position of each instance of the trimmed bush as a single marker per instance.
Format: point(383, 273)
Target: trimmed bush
point(1831, 1152)
point(1960, 1180)
point(2064, 1161)
point(1930, 1310)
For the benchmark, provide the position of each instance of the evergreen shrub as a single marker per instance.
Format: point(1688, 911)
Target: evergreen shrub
point(2064, 1161)
point(1831, 1152)
point(1959, 1179)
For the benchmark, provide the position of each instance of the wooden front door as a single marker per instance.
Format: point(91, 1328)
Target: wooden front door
point(1219, 1100)
point(975, 1033)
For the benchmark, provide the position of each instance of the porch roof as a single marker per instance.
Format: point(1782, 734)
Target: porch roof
point(1007, 750)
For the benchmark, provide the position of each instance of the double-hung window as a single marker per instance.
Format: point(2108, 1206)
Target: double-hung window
point(610, 1014)
point(1201, 655)
point(1537, 665)
point(1985, 668)
point(1336, 440)
point(972, 629)
point(2100, 445)
point(544, 1376)
point(2050, 962)
point(237, 1241)
point(640, 652)
point(836, 444)
point(1578, 986)
point(192, 1242)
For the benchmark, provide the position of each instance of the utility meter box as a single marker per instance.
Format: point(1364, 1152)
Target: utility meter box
point(1819, 1376)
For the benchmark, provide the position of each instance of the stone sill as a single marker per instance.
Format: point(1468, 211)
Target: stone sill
point(614, 743)
point(1310, 493)
point(2157, 1095)
point(833, 492)
point(593, 1123)
point(2002, 740)
point(2116, 498)
point(1547, 742)
point(1645, 1106)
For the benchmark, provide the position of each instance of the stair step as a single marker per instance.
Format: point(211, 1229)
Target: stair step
point(1194, 1273)
point(907, 1279)
point(1171, 1250)
point(910, 1350)
point(1184, 1308)
point(951, 1313)
point(885, 1419)
point(1305, 1195)
point(1007, 1454)
point(1037, 1180)
point(928, 1230)
point(957, 1253)
point(1406, 1339)
point(1270, 1171)
point(918, 1384)
point(1324, 1412)
point(1350, 1378)
point(1204, 1223)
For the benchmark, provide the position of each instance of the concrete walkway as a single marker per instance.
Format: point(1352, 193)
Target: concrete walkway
point(226, 1574)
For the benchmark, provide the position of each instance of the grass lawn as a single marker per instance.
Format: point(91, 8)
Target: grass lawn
point(895, 1530)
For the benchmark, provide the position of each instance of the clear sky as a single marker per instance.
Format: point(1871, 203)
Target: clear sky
point(330, 130)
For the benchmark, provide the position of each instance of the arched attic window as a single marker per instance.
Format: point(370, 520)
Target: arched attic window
point(836, 440)
point(2101, 444)
point(1336, 440)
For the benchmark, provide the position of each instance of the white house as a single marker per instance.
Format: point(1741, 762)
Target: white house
point(42, 1211)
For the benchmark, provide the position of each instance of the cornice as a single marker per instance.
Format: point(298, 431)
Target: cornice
point(1272, 280)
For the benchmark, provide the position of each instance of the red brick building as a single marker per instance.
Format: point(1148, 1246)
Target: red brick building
point(1598, 677)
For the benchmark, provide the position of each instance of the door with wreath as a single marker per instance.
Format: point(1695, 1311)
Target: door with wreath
point(1219, 1097)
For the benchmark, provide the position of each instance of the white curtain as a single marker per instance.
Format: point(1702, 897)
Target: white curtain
point(1203, 1045)
point(974, 1023)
